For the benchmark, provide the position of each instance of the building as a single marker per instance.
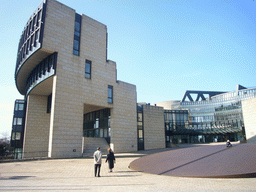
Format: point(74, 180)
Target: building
point(73, 101)
point(18, 127)
point(211, 117)
point(70, 87)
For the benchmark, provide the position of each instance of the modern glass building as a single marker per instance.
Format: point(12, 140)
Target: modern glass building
point(18, 123)
point(207, 119)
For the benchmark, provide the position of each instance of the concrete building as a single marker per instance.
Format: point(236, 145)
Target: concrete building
point(70, 86)
point(74, 103)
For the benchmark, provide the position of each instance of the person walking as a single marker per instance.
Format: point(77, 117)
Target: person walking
point(111, 159)
point(97, 161)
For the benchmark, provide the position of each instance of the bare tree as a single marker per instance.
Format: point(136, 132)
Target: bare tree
point(4, 143)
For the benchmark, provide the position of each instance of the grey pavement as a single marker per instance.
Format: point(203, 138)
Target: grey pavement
point(78, 175)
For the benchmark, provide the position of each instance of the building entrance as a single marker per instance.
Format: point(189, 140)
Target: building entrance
point(97, 124)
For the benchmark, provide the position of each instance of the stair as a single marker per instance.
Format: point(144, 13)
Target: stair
point(92, 143)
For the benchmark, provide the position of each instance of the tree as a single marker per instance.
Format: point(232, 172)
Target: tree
point(5, 144)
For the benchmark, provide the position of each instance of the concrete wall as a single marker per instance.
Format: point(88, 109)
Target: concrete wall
point(154, 132)
point(37, 127)
point(249, 115)
point(124, 118)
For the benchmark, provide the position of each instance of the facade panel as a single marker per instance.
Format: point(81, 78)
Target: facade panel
point(249, 114)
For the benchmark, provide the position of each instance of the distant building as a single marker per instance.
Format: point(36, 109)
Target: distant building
point(74, 103)
point(18, 123)
point(211, 117)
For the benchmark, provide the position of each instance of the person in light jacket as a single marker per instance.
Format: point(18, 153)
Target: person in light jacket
point(111, 159)
point(97, 161)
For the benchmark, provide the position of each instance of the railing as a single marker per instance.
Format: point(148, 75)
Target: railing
point(42, 71)
point(196, 131)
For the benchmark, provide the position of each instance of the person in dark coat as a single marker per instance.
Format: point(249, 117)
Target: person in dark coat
point(228, 144)
point(111, 159)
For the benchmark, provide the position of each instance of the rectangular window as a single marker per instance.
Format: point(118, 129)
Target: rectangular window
point(17, 136)
point(139, 116)
point(88, 69)
point(13, 135)
point(77, 28)
point(16, 106)
point(140, 134)
point(77, 33)
point(110, 94)
point(49, 103)
point(19, 121)
point(15, 121)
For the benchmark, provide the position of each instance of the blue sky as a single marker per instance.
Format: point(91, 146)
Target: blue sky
point(164, 47)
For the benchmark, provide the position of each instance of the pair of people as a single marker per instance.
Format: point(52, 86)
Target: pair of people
point(97, 160)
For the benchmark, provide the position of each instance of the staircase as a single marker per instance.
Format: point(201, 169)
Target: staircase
point(92, 143)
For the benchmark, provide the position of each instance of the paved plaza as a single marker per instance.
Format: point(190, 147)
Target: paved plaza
point(78, 175)
point(204, 161)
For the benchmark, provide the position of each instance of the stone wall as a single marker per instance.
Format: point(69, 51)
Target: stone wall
point(249, 115)
point(154, 133)
point(72, 92)
point(37, 127)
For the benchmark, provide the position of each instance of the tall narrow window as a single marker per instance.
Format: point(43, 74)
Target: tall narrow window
point(140, 128)
point(88, 69)
point(76, 44)
point(110, 94)
point(49, 103)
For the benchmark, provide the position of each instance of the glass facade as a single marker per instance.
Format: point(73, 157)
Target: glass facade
point(97, 124)
point(18, 127)
point(110, 94)
point(211, 120)
point(77, 32)
point(140, 127)
point(42, 71)
point(88, 65)
point(32, 36)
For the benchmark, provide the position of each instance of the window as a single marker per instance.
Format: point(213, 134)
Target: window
point(19, 106)
point(140, 129)
point(77, 32)
point(110, 94)
point(17, 136)
point(140, 135)
point(88, 69)
point(49, 103)
point(17, 121)
point(31, 37)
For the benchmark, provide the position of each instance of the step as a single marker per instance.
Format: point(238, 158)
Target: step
point(92, 143)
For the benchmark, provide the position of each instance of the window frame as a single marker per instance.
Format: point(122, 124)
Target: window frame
point(88, 75)
point(110, 94)
point(77, 34)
